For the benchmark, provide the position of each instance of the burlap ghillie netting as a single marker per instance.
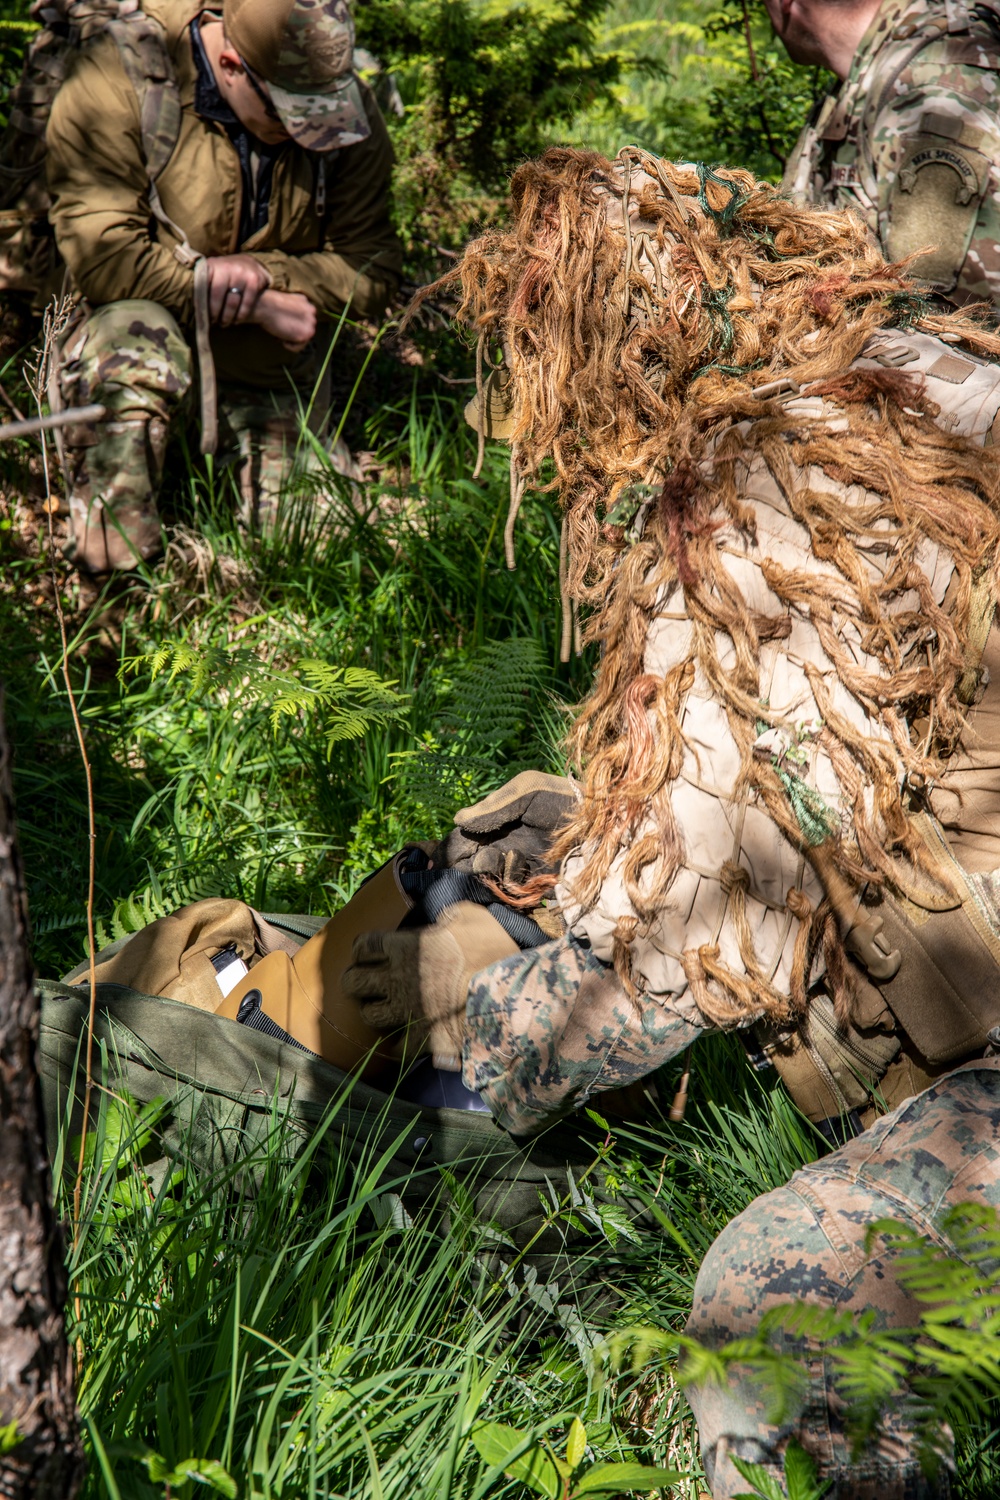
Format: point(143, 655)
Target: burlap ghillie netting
point(644, 309)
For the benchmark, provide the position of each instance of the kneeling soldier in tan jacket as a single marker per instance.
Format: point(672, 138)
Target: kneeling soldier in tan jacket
point(220, 182)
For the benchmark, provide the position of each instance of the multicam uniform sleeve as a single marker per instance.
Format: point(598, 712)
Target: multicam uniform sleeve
point(100, 191)
point(935, 160)
point(548, 1028)
point(361, 261)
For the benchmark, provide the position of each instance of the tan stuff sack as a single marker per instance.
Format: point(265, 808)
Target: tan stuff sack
point(223, 957)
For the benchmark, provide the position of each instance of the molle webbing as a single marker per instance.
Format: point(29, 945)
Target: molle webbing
point(829, 1069)
point(946, 993)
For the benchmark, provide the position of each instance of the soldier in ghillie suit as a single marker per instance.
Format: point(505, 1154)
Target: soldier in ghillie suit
point(219, 182)
point(781, 491)
point(910, 138)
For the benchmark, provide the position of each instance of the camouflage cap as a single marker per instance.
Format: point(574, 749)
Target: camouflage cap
point(303, 50)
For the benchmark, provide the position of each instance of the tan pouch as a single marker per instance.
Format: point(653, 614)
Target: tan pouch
point(173, 955)
point(302, 993)
point(830, 1069)
point(946, 992)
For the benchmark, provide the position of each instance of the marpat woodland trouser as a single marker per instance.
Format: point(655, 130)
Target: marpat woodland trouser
point(807, 1241)
point(133, 358)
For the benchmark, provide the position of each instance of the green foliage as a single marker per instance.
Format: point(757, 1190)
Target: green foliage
point(290, 1322)
point(759, 108)
point(534, 1462)
point(482, 85)
point(9, 1438)
point(350, 700)
point(800, 1478)
point(730, 93)
point(492, 711)
point(205, 1471)
point(216, 713)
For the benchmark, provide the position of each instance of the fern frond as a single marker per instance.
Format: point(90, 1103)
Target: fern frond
point(494, 701)
point(350, 700)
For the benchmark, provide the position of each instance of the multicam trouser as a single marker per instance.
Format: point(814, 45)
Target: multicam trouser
point(806, 1241)
point(133, 359)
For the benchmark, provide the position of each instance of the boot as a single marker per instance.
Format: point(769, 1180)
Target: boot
point(102, 542)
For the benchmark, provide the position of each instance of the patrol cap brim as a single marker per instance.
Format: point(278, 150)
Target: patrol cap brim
point(495, 414)
point(326, 121)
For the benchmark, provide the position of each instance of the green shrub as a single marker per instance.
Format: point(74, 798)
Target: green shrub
point(722, 88)
point(484, 85)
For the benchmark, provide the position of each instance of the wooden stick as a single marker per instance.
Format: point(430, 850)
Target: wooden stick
point(54, 419)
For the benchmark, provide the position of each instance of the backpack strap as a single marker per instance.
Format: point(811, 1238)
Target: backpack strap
point(142, 47)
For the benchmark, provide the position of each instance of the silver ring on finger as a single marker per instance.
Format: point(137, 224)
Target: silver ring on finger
point(235, 291)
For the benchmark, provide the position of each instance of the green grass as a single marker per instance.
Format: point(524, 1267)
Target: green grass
point(198, 791)
point(286, 1319)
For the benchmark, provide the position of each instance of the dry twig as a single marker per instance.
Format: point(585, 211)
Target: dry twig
point(39, 377)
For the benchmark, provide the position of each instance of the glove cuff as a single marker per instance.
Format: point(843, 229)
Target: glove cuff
point(480, 941)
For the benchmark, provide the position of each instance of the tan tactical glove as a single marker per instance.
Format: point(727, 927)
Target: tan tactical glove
point(508, 834)
point(419, 978)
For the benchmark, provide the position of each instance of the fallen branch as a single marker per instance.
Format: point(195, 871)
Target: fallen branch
point(55, 419)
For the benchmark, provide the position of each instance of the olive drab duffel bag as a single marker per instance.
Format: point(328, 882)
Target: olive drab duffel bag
point(228, 1072)
point(223, 1087)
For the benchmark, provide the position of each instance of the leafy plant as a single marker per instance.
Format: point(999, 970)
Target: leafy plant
point(349, 700)
point(801, 1482)
point(760, 106)
point(205, 1471)
point(482, 85)
point(562, 1476)
point(496, 695)
point(724, 89)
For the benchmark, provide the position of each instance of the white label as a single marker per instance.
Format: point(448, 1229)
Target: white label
point(231, 975)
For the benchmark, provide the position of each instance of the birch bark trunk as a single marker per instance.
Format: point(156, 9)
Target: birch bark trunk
point(37, 1405)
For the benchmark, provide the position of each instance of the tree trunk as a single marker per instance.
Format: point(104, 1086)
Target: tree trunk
point(40, 1452)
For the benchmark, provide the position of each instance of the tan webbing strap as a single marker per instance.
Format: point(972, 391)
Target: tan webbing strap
point(982, 606)
point(206, 365)
point(946, 992)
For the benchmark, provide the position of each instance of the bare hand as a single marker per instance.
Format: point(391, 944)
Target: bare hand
point(235, 284)
point(288, 316)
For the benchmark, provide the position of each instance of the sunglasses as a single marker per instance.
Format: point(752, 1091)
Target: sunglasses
point(258, 87)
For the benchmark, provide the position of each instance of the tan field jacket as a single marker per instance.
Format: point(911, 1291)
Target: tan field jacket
point(115, 250)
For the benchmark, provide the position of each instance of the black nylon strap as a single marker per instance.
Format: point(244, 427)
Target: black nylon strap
point(250, 1014)
point(436, 890)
